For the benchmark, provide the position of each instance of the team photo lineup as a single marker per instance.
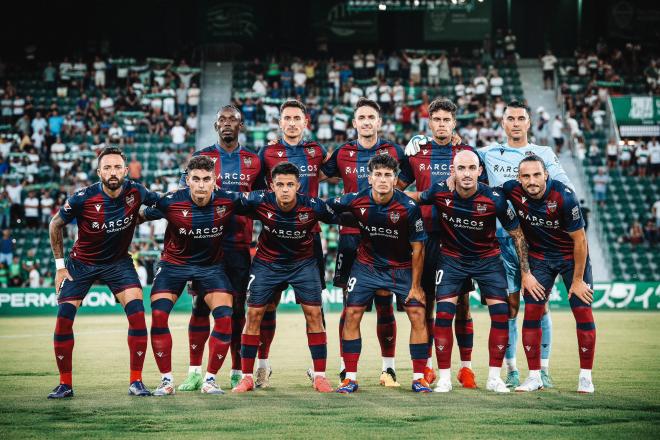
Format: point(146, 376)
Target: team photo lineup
point(346, 219)
point(505, 216)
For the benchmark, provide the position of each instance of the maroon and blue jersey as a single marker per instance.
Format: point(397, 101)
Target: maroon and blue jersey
point(349, 162)
point(547, 221)
point(105, 224)
point(286, 237)
point(308, 156)
point(431, 165)
point(467, 226)
point(195, 233)
point(239, 171)
point(386, 230)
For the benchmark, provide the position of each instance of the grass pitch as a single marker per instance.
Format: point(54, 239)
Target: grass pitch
point(626, 403)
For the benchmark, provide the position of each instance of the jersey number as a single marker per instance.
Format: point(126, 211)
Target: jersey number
point(351, 284)
point(438, 276)
point(252, 277)
point(339, 257)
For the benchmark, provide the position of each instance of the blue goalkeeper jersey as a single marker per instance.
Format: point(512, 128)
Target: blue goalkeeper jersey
point(502, 160)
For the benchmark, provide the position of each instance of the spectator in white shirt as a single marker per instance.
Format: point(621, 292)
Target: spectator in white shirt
point(260, 86)
point(99, 72)
point(178, 134)
point(31, 206)
point(107, 104)
point(191, 122)
point(496, 83)
point(549, 61)
point(433, 66)
point(654, 157)
point(612, 152)
point(193, 97)
point(556, 131)
point(47, 203)
point(642, 155)
point(115, 133)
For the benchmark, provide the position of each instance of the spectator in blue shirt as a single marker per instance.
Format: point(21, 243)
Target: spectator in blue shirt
point(55, 123)
point(6, 247)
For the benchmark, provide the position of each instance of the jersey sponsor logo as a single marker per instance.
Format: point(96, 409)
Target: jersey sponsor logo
point(434, 167)
point(114, 225)
point(505, 169)
point(552, 206)
point(380, 230)
point(419, 225)
point(576, 213)
point(538, 221)
point(481, 208)
point(285, 233)
point(394, 216)
point(466, 223)
point(98, 207)
point(303, 216)
point(185, 212)
point(130, 200)
point(235, 176)
point(202, 232)
point(361, 170)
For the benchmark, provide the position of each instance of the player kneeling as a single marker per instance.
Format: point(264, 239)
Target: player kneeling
point(552, 223)
point(197, 219)
point(470, 250)
point(285, 256)
point(390, 257)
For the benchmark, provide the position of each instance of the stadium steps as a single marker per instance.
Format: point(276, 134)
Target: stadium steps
point(216, 79)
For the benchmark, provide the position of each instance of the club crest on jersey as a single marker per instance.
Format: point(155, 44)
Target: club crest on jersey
point(130, 200)
point(529, 153)
point(383, 151)
point(481, 208)
point(185, 212)
point(220, 210)
point(311, 151)
point(394, 216)
point(247, 161)
point(98, 207)
point(303, 216)
point(552, 206)
point(280, 153)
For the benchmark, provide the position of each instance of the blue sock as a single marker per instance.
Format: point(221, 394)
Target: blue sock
point(513, 339)
point(546, 337)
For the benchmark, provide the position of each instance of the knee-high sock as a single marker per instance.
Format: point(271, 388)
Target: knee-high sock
point(546, 335)
point(351, 353)
point(161, 339)
point(464, 329)
point(499, 333)
point(63, 341)
point(318, 347)
point(419, 356)
point(386, 325)
point(237, 324)
point(137, 337)
point(444, 339)
point(249, 346)
point(513, 339)
point(586, 332)
point(220, 338)
point(267, 333)
point(198, 331)
point(531, 333)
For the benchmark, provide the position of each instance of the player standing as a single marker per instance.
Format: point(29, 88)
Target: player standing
point(390, 259)
point(432, 164)
point(285, 256)
point(470, 250)
point(197, 219)
point(349, 162)
point(106, 214)
point(236, 169)
point(552, 222)
point(308, 156)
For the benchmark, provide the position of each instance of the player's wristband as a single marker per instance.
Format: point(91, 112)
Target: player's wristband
point(59, 263)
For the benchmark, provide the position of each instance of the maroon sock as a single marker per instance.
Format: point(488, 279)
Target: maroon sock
point(443, 335)
point(586, 333)
point(137, 337)
point(161, 339)
point(499, 333)
point(531, 333)
point(220, 338)
point(249, 344)
point(267, 333)
point(386, 325)
point(198, 333)
point(318, 347)
point(63, 341)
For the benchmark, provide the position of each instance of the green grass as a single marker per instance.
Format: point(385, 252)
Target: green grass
point(626, 403)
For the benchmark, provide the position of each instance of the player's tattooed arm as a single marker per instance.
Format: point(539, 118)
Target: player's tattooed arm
point(55, 230)
point(528, 283)
point(56, 236)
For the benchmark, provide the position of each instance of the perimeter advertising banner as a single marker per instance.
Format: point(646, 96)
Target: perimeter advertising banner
point(33, 302)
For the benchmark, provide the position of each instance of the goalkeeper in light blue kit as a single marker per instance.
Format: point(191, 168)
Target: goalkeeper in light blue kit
point(501, 162)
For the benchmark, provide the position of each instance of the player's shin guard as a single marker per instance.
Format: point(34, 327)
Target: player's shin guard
point(237, 324)
point(137, 337)
point(318, 347)
point(419, 355)
point(351, 354)
point(266, 333)
point(249, 346)
point(63, 341)
point(444, 339)
point(386, 326)
point(531, 333)
point(586, 332)
point(464, 329)
point(161, 339)
point(546, 335)
point(499, 333)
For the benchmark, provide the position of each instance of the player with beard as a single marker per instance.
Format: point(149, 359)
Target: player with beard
point(106, 214)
